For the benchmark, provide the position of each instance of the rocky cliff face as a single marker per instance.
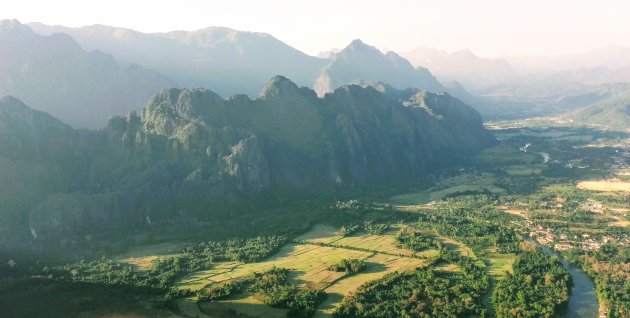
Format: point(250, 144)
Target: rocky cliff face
point(191, 149)
point(285, 137)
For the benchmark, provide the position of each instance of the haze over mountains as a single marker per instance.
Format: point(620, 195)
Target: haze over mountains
point(54, 74)
point(359, 61)
point(217, 57)
point(229, 61)
point(192, 153)
point(463, 66)
point(234, 62)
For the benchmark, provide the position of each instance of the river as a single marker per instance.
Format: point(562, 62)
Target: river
point(583, 302)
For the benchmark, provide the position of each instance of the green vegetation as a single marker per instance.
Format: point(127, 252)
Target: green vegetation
point(221, 290)
point(538, 287)
point(107, 272)
point(417, 241)
point(375, 228)
point(609, 268)
point(349, 266)
point(346, 230)
point(422, 293)
point(242, 250)
point(273, 289)
point(462, 255)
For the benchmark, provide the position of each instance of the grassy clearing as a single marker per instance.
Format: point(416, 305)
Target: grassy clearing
point(457, 246)
point(143, 257)
point(378, 266)
point(504, 156)
point(619, 221)
point(448, 268)
point(241, 304)
point(518, 212)
point(519, 170)
point(320, 234)
point(189, 308)
point(497, 265)
point(309, 264)
point(605, 186)
point(385, 243)
point(462, 183)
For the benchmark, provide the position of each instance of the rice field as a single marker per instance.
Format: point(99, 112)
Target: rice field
point(605, 186)
point(499, 264)
point(309, 265)
point(379, 265)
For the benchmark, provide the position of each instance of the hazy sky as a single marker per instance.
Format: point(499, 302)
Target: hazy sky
point(487, 27)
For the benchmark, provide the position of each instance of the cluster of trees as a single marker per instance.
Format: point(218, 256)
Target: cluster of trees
point(274, 289)
point(468, 266)
point(159, 278)
point(374, 228)
point(216, 291)
point(242, 250)
point(610, 269)
point(422, 293)
point(369, 227)
point(417, 241)
point(538, 287)
point(475, 221)
point(349, 266)
point(346, 230)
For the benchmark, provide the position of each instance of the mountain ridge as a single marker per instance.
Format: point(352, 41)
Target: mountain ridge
point(54, 74)
point(202, 154)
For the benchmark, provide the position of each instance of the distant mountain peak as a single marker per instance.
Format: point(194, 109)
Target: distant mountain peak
point(464, 53)
point(12, 24)
point(15, 26)
point(360, 61)
point(358, 45)
point(278, 86)
point(12, 102)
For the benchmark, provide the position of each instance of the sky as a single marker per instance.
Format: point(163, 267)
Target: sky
point(487, 27)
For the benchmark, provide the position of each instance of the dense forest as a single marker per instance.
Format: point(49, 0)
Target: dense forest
point(610, 268)
point(538, 287)
point(422, 293)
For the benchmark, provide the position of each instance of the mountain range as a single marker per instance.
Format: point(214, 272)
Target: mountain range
point(359, 61)
point(610, 108)
point(54, 74)
point(233, 62)
point(192, 154)
point(462, 66)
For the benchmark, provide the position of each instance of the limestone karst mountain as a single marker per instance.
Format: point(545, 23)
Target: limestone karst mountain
point(196, 149)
